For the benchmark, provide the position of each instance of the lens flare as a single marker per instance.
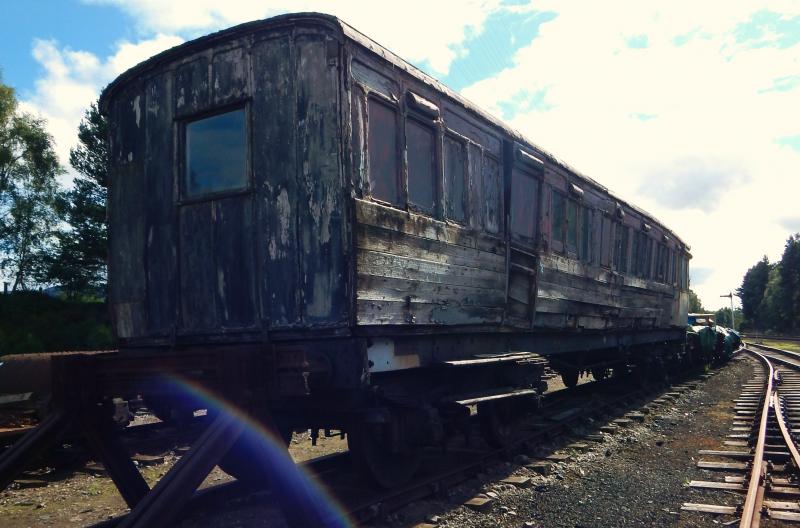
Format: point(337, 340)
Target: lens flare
point(292, 484)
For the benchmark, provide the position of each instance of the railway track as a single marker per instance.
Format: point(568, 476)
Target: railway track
point(561, 411)
point(765, 438)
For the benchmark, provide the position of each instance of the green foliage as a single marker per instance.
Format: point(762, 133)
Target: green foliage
point(769, 311)
point(789, 296)
point(79, 263)
point(752, 291)
point(28, 192)
point(695, 306)
point(723, 317)
point(34, 322)
point(778, 306)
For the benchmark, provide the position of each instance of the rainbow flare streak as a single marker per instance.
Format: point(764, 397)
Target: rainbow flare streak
point(292, 484)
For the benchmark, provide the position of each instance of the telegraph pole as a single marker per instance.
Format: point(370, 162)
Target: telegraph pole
point(733, 317)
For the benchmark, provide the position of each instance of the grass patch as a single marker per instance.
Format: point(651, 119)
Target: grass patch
point(791, 346)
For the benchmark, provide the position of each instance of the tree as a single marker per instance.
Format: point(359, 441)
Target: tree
point(79, 264)
point(695, 306)
point(723, 317)
point(752, 291)
point(28, 191)
point(769, 309)
point(789, 296)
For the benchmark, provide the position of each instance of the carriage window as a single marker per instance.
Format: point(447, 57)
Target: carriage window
point(648, 257)
point(572, 226)
point(661, 262)
point(382, 139)
point(586, 229)
point(523, 204)
point(674, 274)
point(558, 217)
point(455, 179)
point(216, 154)
point(421, 159)
point(621, 249)
point(605, 243)
point(491, 194)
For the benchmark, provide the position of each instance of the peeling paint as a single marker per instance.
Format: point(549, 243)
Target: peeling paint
point(273, 249)
point(221, 290)
point(285, 215)
point(138, 109)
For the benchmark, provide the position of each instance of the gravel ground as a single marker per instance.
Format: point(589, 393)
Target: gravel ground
point(634, 478)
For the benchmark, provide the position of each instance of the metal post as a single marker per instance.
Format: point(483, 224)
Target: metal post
point(733, 317)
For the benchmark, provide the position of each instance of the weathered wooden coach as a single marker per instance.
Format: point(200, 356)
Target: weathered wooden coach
point(381, 253)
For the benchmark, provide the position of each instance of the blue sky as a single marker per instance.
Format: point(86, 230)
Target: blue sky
point(94, 28)
point(652, 99)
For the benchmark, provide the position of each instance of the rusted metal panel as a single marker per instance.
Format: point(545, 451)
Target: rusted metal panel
point(192, 91)
point(197, 274)
point(127, 215)
point(234, 237)
point(230, 74)
point(320, 182)
point(160, 207)
point(275, 168)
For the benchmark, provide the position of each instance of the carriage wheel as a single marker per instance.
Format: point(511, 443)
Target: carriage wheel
point(244, 460)
point(570, 377)
point(373, 457)
point(498, 422)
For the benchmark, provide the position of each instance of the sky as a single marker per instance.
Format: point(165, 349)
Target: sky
point(689, 109)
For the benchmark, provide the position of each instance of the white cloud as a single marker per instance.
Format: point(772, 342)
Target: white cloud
point(72, 80)
point(693, 106)
point(418, 30)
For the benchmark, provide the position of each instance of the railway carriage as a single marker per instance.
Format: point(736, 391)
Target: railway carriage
point(374, 251)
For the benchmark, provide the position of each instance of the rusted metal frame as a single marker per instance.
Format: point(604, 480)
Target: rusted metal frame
point(173, 491)
point(76, 384)
point(13, 461)
point(104, 443)
point(751, 510)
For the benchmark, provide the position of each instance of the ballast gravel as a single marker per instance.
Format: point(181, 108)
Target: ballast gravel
point(635, 477)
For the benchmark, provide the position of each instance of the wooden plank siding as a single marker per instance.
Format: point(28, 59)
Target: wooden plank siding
point(590, 297)
point(417, 270)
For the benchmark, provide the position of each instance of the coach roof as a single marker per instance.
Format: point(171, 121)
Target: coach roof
point(345, 30)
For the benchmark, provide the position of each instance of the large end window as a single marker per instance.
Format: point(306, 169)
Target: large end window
point(382, 140)
point(216, 154)
point(421, 174)
point(455, 173)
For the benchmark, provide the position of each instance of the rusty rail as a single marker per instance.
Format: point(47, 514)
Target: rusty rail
point(751, 510)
